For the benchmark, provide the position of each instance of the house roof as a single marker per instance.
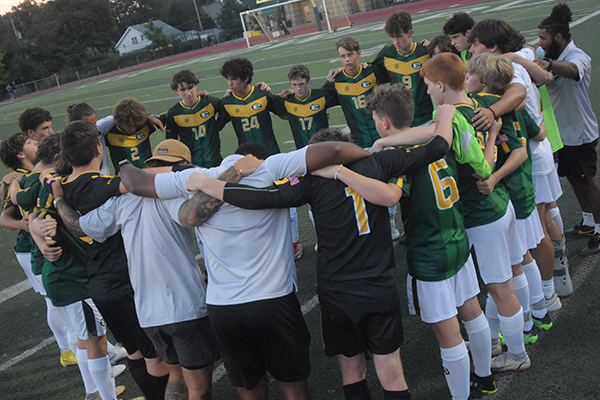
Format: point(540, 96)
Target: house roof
point(167, 29)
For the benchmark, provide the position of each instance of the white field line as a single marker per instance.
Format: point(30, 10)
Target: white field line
point(14, 290)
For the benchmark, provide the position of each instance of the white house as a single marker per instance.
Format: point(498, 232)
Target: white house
point(135, 38)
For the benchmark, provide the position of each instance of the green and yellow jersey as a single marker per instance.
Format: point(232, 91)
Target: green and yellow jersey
point(23, 243)
point(351, 92)
point(251, 118)
point(197, 128)
point(134, 147)
point(405, 69)
point(465, 56)
point(28, 200)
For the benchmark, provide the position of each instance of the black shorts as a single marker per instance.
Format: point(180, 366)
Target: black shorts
point(578, 163)
point(192, 344)
point(121, 318)
point(350, 333)
point(266, 335)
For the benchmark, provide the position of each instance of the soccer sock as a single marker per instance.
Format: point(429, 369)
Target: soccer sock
point(588, 219)
point(311, 216)
point(536, 293)
point(548, 288)
point(491, 313)
point(396, 395)
point(57, 326)
point(142, 379)
point(555, 213)
point(457, 367)
point(512, 329)
point(522, 291)
point(357, 391)
point(88, 380)
point(294, 221)
point(159, 384)
point(480, 342)
point(72, 339)
point(100, 371)
point(109, 348)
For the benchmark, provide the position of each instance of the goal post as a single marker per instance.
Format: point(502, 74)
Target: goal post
point(294, 17)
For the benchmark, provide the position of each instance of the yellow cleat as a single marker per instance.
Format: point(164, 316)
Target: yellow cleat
point(67, 358)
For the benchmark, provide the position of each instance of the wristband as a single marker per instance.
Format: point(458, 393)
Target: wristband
point(123, 162)
point(54, 202)
point(549, 63)
point(337, 172)
point(493, 112)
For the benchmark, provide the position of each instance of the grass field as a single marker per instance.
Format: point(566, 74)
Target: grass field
point(565, 362)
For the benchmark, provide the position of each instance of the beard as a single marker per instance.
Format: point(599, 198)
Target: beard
point(553, 51)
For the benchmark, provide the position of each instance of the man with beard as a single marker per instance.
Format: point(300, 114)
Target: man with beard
point(576, 121)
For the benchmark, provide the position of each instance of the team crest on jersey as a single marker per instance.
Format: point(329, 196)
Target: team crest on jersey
point(315, 107)
point(237, 110)
point(417, 65)
point(140, 136)
point(295, 108)
point(347, 88)
point(186, 120)
point(366, 84)
point(121, 140)
point(205, 114)
point(256, 106)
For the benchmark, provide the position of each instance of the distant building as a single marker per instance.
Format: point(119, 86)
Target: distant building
point(135, 38)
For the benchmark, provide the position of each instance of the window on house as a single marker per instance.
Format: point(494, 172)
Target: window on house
point(134, 40)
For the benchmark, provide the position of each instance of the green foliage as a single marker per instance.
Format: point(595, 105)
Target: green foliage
point(3, 73)
point(229, 18)
point(156, 35)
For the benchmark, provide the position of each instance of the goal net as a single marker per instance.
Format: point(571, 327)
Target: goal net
point(295, 17)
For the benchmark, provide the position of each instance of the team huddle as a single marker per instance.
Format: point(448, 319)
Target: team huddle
point(451, 129)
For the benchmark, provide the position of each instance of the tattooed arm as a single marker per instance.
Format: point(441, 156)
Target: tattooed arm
point(69, 216)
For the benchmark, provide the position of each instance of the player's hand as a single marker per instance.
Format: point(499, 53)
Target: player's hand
point(365, 64)
point(203, 93)
point(228, 93)
point(57, 189)
point(47, 226)
point(195, 182)
point(444, 112)
point(486, 186)
point(263, 86)
point(425, 42)
point(247, 165)
point(9, 178)
point(377, 146)
point(158, 125)
point(327, 172)
point(24, 224)
point(50, 251)
point(483, 119)
point(542, 63)
point(333, 73)
point(286, 92)
point(496, 126)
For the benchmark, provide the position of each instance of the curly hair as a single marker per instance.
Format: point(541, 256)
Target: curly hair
point(497, 32)
point(460, 22)
point(558, 21)
point(398, 23)
point(130, 112)
point(184, 76)
point(48, 148)
point(33, 117)
point(10, 149)
point(258, 150)
point(394, 103)
point(77, 111)
point(329, 135)
point(238, 68)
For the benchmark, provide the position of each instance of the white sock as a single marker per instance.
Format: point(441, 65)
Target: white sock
point(548, 288)
point(480, 342)
point(491, 313)
point(109, 348)
point(597, 229)
point(588, 219)
point(534, 279)
point(57, 326)
point(100, 371)
point(72, 338)
point(457, 367)
point(88, 380)
point(555, 213)
point(522, 291)
point(512, 330)
point(294, 221)
point(311, 216)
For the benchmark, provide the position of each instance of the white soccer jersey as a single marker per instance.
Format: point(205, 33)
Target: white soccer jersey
point(248, 253)
point(533, 104)
point(570, 100)
point(168, 284)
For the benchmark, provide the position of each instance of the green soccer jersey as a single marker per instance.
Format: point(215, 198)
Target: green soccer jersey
point(23, 243)
point(479, 209)
point(134, 147)
point(197, 128)
point(28, 200)
point(307, 116)
point(406, 68)
point(466, 56)
point(552, 132)
point(519, 183)
point(65, 279)
point(251, 118)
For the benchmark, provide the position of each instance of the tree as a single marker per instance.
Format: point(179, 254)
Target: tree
point(3, 73)
point(156, 35)
point(229, 18)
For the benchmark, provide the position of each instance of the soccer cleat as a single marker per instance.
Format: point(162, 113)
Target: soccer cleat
point(544, 323)
point(67, 358)
point(506, 362)
point(119, 389)
point(553, 303)
point(486, 385)
point(593, 246)
point(580, 230)
point(496, 350)
point(316, 247)
point(117, 370)
point(528, 338)
point(298, 250)
point(562, 279)
point(117, 354)
point(92, 396)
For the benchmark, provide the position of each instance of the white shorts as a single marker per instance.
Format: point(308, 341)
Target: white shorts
point(497, 247)
point(438, 301)
point(530, 231)
point(35, 280)
point(547, 187)
point(83, 318)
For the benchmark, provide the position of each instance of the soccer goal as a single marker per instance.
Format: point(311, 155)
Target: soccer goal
point(295, 17)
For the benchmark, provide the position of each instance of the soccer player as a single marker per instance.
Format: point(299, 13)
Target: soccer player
point(440, 44)
point(36, 123)
point(458, 28)
point(194, 120)
point(576, 120)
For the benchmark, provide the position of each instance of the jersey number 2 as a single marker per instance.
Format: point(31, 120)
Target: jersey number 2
point(360, 211)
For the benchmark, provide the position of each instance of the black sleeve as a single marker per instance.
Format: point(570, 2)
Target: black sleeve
point(281, 195)
point(410, 161)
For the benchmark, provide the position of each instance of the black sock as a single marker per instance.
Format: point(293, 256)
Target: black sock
point(357, 391)
point(142, 379)
point(396, 395)
point(159, 384)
